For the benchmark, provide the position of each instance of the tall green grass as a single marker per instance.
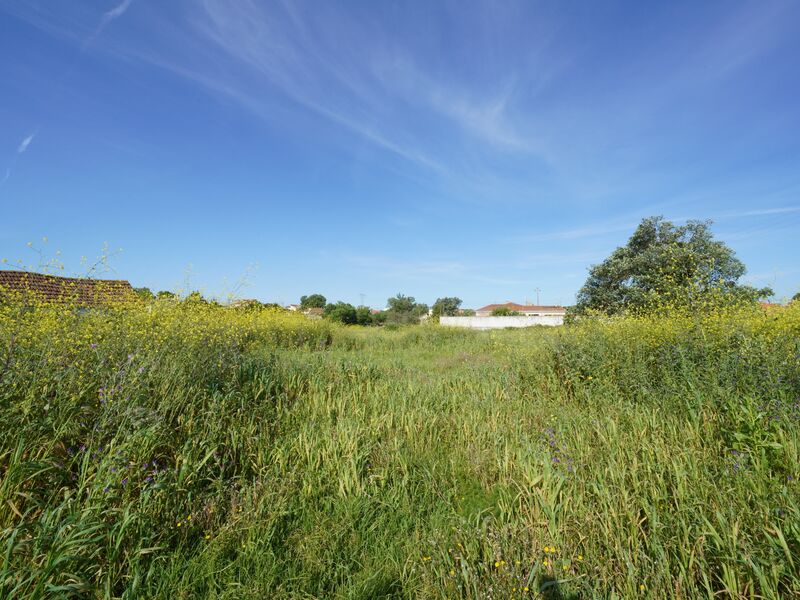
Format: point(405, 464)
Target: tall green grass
point(180, 451)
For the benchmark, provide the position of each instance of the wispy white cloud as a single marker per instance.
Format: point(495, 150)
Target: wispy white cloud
point(575, 234)
point(549, 259)
point(23, 145)
point(277, 48)
point(117, 11)
point(435, 270)
point(609, 227)
point(394, 268)
point(21, 149)
point(759, 212)
point(108, 17)
point(485, 117)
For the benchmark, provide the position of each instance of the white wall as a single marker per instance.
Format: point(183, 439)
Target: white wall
point(501, 322)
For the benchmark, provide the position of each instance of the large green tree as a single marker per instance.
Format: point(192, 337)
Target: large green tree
point(312, 301)
point(144, 293)
point(405, 309)
point(666, 265)
point(341, 312)
point(364, 315)
point(445, 307)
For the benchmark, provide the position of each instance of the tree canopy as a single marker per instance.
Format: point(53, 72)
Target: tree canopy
point(666, 265)
point(312, 301)
point(446, 307)
point(144, 293)
point(341, 312)
point(364, 315)
point(404, 309)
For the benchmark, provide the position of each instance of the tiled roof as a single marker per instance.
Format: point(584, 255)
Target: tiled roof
point(50, 288)
point(521, 307)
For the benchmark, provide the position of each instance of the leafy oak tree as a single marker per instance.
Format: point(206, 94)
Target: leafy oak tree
point(312, 301)
point(445, 307)
point(405, 309)
point(664, 265)
point(341, 312)
point(145, 293)
point(364, 315)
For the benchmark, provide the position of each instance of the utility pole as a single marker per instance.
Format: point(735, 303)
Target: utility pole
point(537, 290)
point(362, 295)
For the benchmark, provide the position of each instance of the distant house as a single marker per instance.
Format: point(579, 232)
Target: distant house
point(529, 310)
point(314, 313)
point(64, 290)
point(293, 307)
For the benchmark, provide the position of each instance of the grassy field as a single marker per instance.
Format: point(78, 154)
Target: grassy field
point(190, 451)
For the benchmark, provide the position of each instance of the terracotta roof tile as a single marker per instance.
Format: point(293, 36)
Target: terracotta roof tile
point(521, 307)
point(62, 290)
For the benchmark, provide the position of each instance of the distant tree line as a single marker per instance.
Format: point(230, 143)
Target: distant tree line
point(400, 310)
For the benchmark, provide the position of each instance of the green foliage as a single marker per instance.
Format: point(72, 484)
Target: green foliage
point(447, 307)
point(504, 311)
point(165, 295)
point(144, 293)
point(404, 310)
point(664, 265)
point(312, 301)
point(401, 304)
point(185, 450)
point(195, 297)
point(341, 312)
point(364, 316)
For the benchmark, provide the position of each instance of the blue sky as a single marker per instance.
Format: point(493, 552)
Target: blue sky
point(477, 149)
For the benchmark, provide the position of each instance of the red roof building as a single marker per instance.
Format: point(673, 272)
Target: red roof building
point(64, 290)
point(523, 309)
